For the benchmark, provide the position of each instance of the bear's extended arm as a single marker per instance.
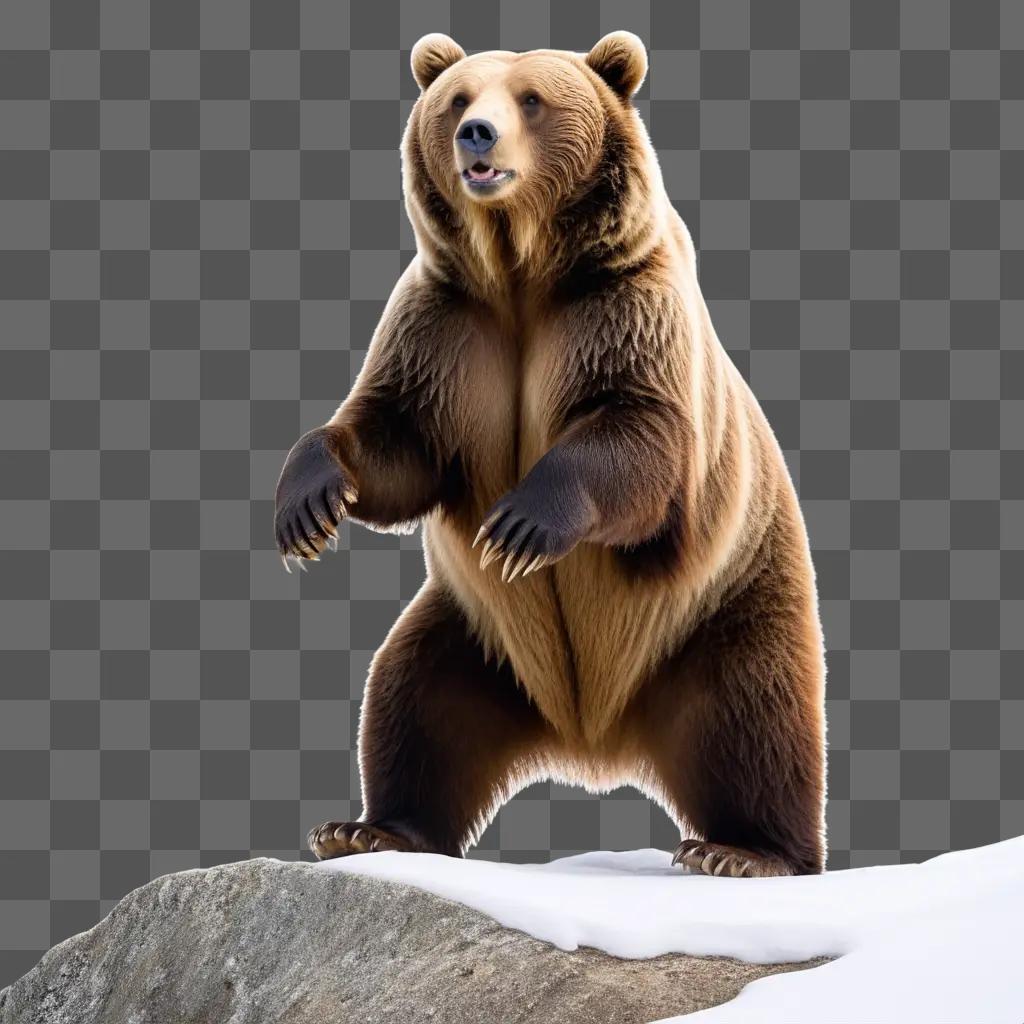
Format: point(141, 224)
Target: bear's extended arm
point(622, 435)
point(608, 479)
point(375, 460)
point(369, 462)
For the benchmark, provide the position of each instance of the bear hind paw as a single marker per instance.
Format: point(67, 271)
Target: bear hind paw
point(703, 858)
point(343, 838)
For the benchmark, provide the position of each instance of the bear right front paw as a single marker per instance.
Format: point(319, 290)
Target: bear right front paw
point(312, 498)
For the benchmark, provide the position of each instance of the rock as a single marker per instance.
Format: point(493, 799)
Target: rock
point(265, 941)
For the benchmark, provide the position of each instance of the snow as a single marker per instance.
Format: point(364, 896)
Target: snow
point(935, 943)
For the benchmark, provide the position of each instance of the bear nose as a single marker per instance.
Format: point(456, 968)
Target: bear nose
point(477, 135)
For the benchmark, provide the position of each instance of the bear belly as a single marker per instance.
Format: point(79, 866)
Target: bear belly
point(519, 621)
point(617, 630)
point(579, 635)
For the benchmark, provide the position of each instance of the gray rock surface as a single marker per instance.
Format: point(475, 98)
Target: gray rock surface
point(264, 941)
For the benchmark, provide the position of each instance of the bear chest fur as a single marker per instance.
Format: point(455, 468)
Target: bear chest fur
point(578, 633)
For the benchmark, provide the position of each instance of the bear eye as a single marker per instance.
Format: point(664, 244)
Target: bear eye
point(459, 102)
point(531, 99)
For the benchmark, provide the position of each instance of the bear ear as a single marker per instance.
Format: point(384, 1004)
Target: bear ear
point(621, 60)
point(433, 54)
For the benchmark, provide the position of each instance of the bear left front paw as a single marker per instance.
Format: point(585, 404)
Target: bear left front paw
point(528, 533)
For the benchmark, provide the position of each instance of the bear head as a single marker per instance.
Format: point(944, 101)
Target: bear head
point(518, 136)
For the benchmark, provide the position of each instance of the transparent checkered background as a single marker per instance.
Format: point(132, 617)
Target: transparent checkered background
point(200, 220)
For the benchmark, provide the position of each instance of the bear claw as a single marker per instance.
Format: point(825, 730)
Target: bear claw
point(313, 496)
point(700, 857)
point(343, 838)
point(522, 540)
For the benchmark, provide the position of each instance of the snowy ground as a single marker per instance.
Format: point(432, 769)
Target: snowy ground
point(934, 943)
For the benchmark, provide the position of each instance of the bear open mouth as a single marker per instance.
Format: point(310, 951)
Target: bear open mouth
point(482, 175)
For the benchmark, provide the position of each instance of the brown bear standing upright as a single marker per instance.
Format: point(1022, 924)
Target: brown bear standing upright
point(546, 382)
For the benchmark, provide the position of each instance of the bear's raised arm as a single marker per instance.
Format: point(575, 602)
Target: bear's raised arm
point(380, 459)
point(621, 440)
point(608, 479)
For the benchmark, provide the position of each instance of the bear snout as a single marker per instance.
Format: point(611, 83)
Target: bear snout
point(477, 135)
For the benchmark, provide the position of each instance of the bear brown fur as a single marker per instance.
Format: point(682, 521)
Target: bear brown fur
point(545, 387)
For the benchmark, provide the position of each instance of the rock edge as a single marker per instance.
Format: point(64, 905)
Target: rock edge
point(266, 941)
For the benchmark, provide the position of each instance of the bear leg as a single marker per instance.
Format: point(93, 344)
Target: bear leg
point(732, 730)
point(445, 735)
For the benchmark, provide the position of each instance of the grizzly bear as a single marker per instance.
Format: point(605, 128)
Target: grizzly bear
point(619, 586)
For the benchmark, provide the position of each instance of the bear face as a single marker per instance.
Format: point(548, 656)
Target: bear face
point(511, 130)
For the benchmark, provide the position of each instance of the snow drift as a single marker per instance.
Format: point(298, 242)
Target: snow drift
point(938, 942)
